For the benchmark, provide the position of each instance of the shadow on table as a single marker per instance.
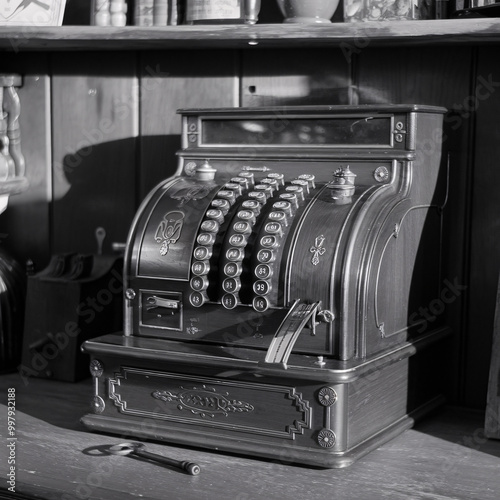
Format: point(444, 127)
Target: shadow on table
point(61, 404)
point(462, 426)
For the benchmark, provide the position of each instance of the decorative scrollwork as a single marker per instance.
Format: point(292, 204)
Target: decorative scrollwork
point(169, 230)
point(318, 249)
point(190, 168)
point(204, 401)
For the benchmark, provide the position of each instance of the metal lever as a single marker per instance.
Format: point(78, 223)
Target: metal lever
point(154, 302)
point(288, 332)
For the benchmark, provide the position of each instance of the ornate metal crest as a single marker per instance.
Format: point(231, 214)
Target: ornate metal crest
point(318, 249)
point(196, 192)
point(192, 329)
point(204, 401)
point(169, 230)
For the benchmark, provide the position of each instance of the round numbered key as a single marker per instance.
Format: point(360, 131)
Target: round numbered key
point(265, 255)
point(290, 197)
point(258, 196)
point(297, 190)
point(269, 241)
point(260, 304)
point(238, 240)
point(261, 287)
point(248, 176)
point(278, 217)
point(301, 183)
point(252, 205)
point(263, 271)
point(309, 178)
point(202, 253)
point(231, 285)
point(279, 178)
point(200, 267)
point(227, 194)
point(197, 299)
point(242, 227)
point(235, 254)
point(233, 269)
point(284, 206)
point(199, 283)
point(265, 189)
point(206, 239)
point(247, 215)
point(229, 301)
point(222, 205)
point(274, 228)
point(215, 214)
point(235, 187)
point(272, 183)
point(242, 181)
point(210, 226)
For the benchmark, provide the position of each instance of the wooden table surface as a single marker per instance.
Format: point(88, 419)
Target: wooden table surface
point(444, 457)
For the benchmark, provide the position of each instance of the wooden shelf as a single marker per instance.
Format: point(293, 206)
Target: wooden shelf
point(432, 32)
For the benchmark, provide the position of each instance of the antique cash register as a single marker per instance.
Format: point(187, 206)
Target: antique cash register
point(272, 287)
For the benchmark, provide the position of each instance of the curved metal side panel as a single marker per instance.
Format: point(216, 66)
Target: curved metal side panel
point(358, 257)
point(130, 257)
point(398, 271)
point(310, 274)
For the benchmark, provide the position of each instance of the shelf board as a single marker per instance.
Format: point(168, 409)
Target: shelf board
point(358, 35)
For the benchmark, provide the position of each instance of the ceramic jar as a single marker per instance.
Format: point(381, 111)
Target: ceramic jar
point(388, 10)
point(308, 11)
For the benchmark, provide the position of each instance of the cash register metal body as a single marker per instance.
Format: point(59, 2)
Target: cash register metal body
point(272, 286)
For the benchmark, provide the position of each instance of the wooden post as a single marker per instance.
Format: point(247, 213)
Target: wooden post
point(492, 421)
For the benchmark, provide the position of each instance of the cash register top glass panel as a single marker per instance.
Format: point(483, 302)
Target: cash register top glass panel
point(345, 131)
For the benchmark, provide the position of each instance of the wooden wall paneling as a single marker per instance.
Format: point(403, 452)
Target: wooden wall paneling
point(95, 126)
point(423, 75)
point(24, 226)
point(485, 225)
point(294, 76)
point(436, 76)
point(171, 80)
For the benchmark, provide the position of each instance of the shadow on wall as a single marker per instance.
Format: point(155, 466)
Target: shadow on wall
point(102, 186)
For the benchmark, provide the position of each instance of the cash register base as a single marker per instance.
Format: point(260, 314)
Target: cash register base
point(273, 286)
point(327, 415)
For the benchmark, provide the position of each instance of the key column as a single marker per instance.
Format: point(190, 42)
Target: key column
point(235, 243)
point(272, 236)
point(209, 229)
